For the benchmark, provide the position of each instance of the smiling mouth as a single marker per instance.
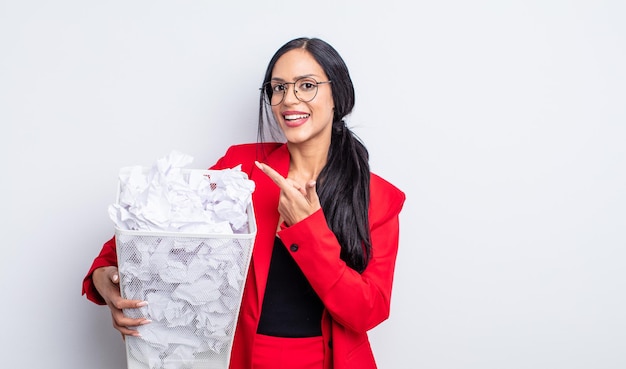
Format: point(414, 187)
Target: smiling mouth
point(296, 116)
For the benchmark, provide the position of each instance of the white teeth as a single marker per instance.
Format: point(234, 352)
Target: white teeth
point(296, 116)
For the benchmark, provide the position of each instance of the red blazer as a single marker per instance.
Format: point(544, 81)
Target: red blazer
point(354, 303)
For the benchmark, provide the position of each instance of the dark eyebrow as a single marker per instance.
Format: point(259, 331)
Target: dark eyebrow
point(276, 79)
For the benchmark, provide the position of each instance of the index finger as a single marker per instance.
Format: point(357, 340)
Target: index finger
point(274, 175)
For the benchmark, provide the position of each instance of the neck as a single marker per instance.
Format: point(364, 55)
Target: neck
point(306, 162)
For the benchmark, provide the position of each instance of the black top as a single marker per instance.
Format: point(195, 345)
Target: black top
point(290, 306)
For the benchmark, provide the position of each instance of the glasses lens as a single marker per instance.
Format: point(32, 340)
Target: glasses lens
point(306, 89)
point(272, 94)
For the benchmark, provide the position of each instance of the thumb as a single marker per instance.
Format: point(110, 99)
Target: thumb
point(115, 277)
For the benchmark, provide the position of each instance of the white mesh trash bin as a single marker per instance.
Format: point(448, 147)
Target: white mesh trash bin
point(193, 284)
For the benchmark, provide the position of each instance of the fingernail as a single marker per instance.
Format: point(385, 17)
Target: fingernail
point(142, 304)
point(258, 165)
point(146, 321)
point(115, 277)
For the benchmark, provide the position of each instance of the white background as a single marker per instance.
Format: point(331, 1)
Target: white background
point(503, 121)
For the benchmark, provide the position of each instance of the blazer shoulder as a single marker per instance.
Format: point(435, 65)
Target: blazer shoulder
point(386, 200)
point(245, 154)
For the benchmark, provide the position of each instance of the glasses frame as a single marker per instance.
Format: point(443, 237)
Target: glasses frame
point(268, 99)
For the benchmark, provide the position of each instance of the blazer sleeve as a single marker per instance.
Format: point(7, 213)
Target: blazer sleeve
point(356, 301)
point(107, 257)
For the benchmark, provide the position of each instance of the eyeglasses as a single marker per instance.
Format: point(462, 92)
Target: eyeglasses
point(305, 89)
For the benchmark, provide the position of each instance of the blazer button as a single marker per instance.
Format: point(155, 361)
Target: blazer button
point(293, 247)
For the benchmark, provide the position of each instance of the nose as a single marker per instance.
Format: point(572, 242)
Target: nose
point(290, 95)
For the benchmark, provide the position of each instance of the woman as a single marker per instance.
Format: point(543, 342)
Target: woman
point(327, 229)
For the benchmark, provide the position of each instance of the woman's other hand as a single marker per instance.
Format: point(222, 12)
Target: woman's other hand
point(106, 280)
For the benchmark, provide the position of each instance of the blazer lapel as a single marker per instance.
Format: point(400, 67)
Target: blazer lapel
point(265, 200)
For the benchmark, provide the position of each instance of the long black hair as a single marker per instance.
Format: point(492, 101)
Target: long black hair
point(343, 185)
